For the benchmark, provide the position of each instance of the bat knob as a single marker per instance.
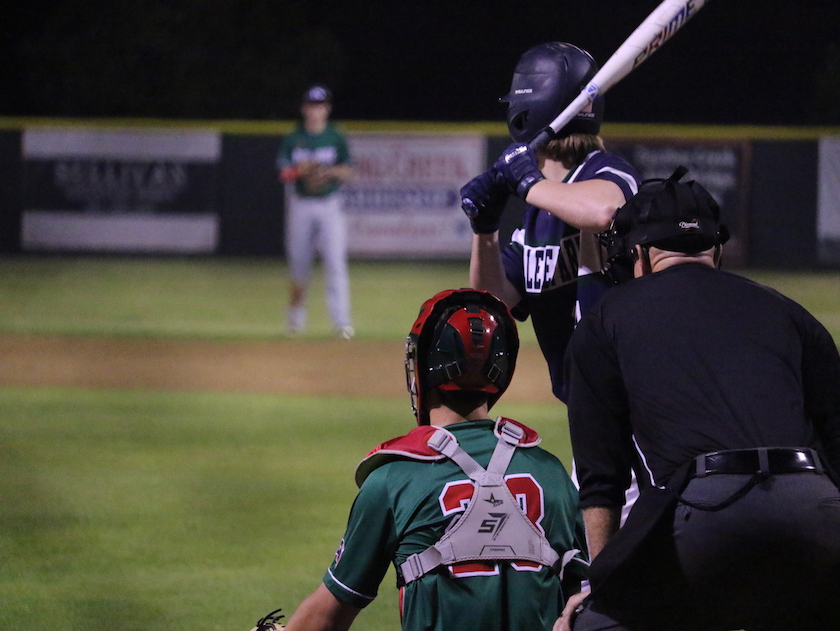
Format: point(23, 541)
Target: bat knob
point(469, 207)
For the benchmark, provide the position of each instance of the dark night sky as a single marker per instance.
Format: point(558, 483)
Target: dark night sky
point(737, 62)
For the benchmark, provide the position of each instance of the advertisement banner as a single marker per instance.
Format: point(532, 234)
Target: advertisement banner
point(721, 167)
point(828, 201)
point(120, 190)
point(404, 198)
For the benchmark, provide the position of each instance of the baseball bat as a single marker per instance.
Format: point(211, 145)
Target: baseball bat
point(649, 36)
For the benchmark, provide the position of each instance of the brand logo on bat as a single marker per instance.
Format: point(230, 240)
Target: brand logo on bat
point(685, 12)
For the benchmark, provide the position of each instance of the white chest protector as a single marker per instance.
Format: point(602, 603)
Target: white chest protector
point(493, 527)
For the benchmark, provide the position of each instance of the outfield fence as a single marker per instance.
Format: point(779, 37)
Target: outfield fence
point(211, 188)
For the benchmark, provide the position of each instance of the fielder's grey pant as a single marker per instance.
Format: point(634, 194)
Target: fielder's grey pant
point(318, 224)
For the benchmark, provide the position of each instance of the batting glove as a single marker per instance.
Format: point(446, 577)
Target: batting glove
point(518, 166)
point(483, 200)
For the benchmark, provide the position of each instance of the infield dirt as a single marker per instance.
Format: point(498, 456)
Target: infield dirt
point(307, 367)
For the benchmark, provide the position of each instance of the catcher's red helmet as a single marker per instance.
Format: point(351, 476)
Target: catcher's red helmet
point(463, 339)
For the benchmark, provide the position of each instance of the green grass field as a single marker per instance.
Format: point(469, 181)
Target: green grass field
point(158, 511)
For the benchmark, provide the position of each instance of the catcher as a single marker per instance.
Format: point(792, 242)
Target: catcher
point(481, 524)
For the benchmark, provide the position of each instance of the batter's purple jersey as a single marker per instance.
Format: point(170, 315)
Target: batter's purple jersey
point(542, 263)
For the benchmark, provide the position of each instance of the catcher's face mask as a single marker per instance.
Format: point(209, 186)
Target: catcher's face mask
point(462, 340)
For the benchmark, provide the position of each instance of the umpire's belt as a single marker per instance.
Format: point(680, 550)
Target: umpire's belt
point(767, 460)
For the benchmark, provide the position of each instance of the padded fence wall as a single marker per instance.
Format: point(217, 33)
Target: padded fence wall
point(769, 185)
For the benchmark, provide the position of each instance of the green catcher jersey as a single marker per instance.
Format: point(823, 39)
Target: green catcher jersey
point(405, 505)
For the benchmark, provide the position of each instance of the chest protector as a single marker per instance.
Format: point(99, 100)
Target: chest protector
point(493, 527)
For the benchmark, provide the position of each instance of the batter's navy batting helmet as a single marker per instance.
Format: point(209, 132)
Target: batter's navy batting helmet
point(667, 214)
point(463, 340)
point(547, 78)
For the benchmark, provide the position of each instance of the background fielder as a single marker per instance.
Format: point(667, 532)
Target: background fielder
point(314, 161)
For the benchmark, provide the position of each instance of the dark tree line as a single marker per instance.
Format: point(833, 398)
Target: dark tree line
point(184, 59)
point(738, 62)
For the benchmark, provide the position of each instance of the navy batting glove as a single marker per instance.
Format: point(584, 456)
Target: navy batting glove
point(483, 200)
point(518, 166)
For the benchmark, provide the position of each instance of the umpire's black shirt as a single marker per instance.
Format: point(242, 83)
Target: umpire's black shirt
point(692, 360)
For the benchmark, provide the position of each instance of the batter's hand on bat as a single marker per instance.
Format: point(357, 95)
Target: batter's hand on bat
point(483, 200)
point(518, 165)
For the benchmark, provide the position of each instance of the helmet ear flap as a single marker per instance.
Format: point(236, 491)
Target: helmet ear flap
point(518, 123)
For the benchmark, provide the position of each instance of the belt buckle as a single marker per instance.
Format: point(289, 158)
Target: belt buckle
point(758, 461)
point(726, 461)
point(792, 460)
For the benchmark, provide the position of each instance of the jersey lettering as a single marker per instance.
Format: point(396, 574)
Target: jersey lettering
point(539, 267)
point(322, 155)
point(455, 498)
point(550, 266)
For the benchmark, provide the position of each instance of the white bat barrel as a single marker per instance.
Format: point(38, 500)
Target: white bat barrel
point(649, 36)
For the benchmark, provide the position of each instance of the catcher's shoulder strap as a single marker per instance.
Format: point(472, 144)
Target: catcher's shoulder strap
point(415, 446)
point(493, 527)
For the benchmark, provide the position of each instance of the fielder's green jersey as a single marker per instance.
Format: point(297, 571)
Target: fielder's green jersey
point(405, 505)
point(327, 148)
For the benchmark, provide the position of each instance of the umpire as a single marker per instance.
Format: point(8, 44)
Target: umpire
point(730, 393)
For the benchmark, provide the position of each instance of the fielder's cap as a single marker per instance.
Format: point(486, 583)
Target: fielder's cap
point(317, 94)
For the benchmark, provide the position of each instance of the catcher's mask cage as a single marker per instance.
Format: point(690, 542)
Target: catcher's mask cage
point(463, 340)
point(547, 78)
point(665, 213)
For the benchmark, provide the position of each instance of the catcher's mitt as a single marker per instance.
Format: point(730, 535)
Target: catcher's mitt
point(270, 622)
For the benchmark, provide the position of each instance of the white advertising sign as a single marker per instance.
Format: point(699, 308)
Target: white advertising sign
point(828, 200)
point(404, 198)
point(120, 190)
